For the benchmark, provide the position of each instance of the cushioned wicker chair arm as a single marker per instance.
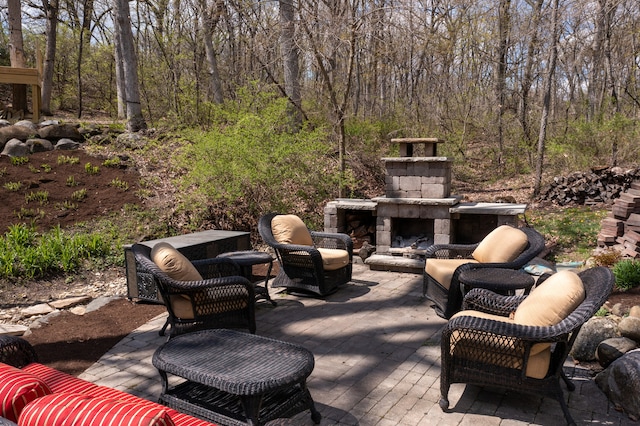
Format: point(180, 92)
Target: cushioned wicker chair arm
point(217, 267)
point(332, 240)
point(472, 325)
point(450, 251)
point(234, 281)
point(16, 351)
point(483, 300)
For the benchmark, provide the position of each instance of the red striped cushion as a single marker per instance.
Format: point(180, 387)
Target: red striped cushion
point(17, 389)
point(70, 409)
point(59, 381)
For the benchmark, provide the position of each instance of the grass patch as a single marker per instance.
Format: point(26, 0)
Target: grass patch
point(26, 253)
point(573, 231)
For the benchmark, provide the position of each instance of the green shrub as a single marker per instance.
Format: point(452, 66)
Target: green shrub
point(627, 273)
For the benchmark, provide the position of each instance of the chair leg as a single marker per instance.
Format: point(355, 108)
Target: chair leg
point(164, 328)
point(567, 381)
point(565, 410)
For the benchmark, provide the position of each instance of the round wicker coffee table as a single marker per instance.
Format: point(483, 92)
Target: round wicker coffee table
point(235, 378)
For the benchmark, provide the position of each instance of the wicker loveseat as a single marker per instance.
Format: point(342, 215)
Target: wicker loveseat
point(310, 261)
point(520, 343)
point(36, 395)
point(505, 247)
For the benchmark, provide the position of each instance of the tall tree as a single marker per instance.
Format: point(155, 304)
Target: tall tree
point(289, 51)
point(504, 24)
point(16, 53)
point(546, 102)
point(50, 8)
point(127, 54)
point(210, 19)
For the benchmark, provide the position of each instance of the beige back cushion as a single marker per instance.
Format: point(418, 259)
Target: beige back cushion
point(173, 263)
point(442, 270)
point(552, 301)
point(503, 244)
point(177, 266)
point(290, 229)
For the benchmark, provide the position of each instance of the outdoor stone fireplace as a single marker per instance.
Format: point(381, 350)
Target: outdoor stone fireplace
point(416, 211)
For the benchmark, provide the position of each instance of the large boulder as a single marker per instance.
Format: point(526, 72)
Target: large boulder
point(621, 383)
point(59, 131)
point(611, 349)
point(630, 327)
point(39, 145)
point(14, 132)
point(591, 334)
point(15, 148)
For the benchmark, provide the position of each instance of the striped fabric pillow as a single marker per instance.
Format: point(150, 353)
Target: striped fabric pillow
point(67, 409)
point(17, 389)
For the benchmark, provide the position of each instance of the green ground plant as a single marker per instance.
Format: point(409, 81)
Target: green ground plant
point(12, 186)
point(91, 169)
point(19, 161)
point(79, 195)
point(65, 159)
point(120, 184)
point(627, 273)
point(28, 254)
point(41, 197)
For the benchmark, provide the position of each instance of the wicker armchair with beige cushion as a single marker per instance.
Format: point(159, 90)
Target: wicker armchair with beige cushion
point(203, 294)
point(521, 342)
point(310, 261)
point(504, 247)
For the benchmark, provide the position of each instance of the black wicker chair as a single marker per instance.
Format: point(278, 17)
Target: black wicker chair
point(487, 352)
point(223, 299)
point(16, 351)
point(447, 301)
point(301, 266)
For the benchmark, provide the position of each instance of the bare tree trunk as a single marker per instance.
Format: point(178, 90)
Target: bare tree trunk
point(120, 89)
point(504, 22)
point(289, 52)
point(87, 12)
point(210, 19)
point(16, 53)
point(135, 120)
point(546, 103)
point(51, 12)
point(527, 79)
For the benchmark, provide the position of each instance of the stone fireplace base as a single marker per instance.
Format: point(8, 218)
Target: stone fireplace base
point(436, 221)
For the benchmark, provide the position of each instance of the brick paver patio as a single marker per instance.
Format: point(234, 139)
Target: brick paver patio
point(377, 353)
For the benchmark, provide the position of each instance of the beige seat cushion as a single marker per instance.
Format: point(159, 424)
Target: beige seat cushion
point(290, 229)
point(177, 266)
point(333, 259)
point(442, 270)
point(539, 357)
point(502, 245)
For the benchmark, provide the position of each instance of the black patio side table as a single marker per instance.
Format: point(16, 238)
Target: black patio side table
point(500, 280)
point(235, 378)
point(246, 259)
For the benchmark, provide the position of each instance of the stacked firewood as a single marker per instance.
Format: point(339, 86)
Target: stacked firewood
point(621, 228)
point(600, 185)
point(361, 227)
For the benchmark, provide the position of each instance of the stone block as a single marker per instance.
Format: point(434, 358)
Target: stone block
point(412, 194)
point(441, 226)
point(434, 191)
point(409, 211)
point(441, 239)
point(387, 210)
point(411, 183)
point(383, 239)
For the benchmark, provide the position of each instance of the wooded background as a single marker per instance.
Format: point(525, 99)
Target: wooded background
point(520, 77)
